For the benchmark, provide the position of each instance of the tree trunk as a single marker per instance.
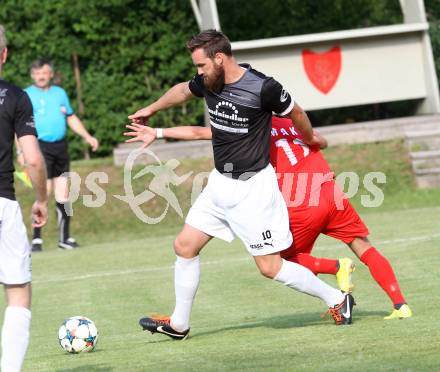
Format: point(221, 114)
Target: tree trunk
point(77, 73)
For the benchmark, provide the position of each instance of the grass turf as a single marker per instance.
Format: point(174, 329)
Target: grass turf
point(240, 321)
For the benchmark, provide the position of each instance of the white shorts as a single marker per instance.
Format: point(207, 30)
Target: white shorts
point(253, 210)
point(15, 254)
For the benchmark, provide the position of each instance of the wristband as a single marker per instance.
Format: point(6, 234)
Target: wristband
point(159, 133)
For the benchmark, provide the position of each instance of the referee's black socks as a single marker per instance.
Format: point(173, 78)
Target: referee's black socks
point(36, 234)
point(63, 218)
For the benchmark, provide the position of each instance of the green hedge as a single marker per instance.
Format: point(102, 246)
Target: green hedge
point(130, 51)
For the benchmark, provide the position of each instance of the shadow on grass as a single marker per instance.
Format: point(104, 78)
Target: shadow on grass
point(91, 368)
point(290, 321)
point(297, 321)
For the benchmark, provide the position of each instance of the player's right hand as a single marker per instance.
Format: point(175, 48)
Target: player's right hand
point(39, 214)
point(319, 140)
point(141, 116)
point(141, 133)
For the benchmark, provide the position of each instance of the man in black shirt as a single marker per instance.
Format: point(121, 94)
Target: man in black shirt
point(16, 119)
point(241, 198)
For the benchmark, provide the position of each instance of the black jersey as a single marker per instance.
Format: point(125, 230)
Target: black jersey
point(16, 117)
point(240, 118)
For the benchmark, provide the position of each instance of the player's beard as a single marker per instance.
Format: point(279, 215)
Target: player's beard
point(216, 81)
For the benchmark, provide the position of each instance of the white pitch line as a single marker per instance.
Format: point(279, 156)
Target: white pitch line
point(413, 239)
point(101, 274)
point(391, 241)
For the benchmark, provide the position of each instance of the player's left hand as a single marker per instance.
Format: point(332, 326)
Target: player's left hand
point(141, 133)
point(93, 142)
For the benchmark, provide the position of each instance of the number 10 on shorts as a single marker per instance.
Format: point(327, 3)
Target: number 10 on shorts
point(266, 235)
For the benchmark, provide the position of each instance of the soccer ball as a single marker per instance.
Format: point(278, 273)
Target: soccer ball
point(78, 334)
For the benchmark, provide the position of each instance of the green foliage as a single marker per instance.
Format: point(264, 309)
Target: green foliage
point(245, 20)
point(129, 53)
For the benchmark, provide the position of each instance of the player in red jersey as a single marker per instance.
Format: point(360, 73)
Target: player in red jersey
point(316, 205)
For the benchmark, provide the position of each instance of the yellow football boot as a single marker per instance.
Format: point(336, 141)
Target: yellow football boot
point(403, 312)
point(343, 276)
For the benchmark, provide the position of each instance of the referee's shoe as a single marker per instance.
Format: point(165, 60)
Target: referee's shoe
point(69, 243)
point(161, 324)
point(37, 245)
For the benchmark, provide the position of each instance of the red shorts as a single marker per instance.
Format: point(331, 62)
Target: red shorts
point(333, 216)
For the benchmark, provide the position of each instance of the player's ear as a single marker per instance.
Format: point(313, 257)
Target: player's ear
point(218, 58)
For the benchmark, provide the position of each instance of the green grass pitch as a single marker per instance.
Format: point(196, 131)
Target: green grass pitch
point(240, 320)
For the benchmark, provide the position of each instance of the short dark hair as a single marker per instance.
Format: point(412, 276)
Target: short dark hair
point(40, 62)
point(211, 41)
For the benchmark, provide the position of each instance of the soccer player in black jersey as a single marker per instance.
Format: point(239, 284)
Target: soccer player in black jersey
point(16, 119)
point(241, 198)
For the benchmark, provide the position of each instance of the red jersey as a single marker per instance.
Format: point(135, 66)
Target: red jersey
point(300, 168)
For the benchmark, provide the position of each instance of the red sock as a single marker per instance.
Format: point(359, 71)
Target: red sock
point(383, 273)
point(316, 265)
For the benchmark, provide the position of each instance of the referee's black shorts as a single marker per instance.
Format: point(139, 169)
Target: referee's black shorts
point(56, 157)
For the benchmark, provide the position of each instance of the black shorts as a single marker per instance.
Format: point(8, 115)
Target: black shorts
point(56, 157)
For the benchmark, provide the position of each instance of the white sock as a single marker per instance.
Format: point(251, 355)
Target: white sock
point(186, 282)
point(15, 338)
point(302, 279)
